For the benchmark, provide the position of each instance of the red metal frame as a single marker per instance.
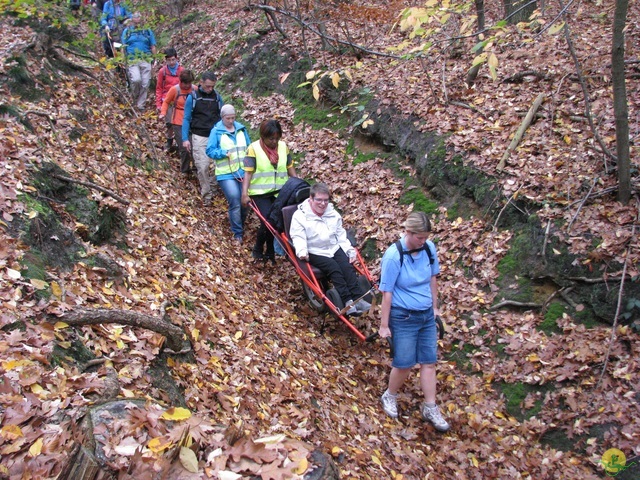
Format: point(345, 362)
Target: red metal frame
point(309, 278)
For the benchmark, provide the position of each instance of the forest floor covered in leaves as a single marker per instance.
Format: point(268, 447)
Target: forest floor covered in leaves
point(263, 386)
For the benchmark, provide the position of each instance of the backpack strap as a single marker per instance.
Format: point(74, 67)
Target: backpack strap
point(403, 252)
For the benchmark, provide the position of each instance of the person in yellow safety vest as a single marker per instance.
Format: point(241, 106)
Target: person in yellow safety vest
point(227, 146)
point(267, 166)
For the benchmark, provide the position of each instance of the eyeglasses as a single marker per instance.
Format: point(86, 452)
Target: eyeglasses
point(321, 200)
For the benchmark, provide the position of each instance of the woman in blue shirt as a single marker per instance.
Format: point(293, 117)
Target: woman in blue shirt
point(409, 286)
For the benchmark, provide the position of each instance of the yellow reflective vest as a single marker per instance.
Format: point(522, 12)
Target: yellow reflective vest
point(236, 150)
point(267, 179)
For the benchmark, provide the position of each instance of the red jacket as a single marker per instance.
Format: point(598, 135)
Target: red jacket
point(165, 82)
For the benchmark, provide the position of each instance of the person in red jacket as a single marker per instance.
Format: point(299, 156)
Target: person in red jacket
point(173, 112)
point(168, 76)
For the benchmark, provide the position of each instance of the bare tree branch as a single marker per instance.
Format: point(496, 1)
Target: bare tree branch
point(106, 191)
point(585, 90)
point(612, 338)
point(269, 8)
point(513, 303)
point(519, 77)
point(595, 180)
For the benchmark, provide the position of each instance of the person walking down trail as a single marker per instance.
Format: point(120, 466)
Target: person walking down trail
point(227, 146)
point(97, 6)
point(176, 99)
point(267, 165)
point(168, 77)
point(319, 238)
point(114, 14)
point(140, 46)
point(201, 112)
point(409, 286)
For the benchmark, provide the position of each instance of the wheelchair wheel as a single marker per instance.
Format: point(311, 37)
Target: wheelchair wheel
point(316, 303)
point(365, 285)
point(333, 295)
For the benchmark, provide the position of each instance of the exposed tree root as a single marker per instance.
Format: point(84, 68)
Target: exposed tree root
point(161, 325)
point(85, 183)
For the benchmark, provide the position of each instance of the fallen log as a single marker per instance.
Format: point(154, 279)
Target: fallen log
point(93, 316)
point(520, 132)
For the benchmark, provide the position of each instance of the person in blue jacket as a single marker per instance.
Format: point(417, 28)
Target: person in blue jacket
point(114, 15)
point(227, 145)
point(140, 46)
point(201, 112)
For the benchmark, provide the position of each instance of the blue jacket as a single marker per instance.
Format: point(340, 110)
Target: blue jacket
point(113, 15)
point(213, 145)
point(138, 41)
point(188, 113)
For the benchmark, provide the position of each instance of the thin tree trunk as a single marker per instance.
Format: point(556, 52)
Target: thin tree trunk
point(473, 71)
point(516, 11)
point(620, 108)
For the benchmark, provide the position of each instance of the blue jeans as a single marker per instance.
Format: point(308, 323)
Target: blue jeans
point(414, 336)
point(232, 190)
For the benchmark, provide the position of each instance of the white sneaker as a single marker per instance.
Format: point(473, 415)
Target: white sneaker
point(362, 305)
point(390, 404)
point(352, 310)
point(433, 415)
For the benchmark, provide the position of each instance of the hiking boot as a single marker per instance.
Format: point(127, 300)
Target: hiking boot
point(352, 311)
point(433, 415)
point(206, 202)
point(363, 306)
point(390, 404)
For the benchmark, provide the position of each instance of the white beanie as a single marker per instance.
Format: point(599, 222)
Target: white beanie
point(227, 110)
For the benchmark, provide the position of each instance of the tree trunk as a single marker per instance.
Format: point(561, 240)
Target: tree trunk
point(620, 108)
point(516, 11)
point(473, 71)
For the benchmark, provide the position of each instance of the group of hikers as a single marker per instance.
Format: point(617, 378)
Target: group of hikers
point(205, 133)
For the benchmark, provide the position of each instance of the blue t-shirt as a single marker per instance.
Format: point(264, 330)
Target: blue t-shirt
point(411, 284)
point(138, 41)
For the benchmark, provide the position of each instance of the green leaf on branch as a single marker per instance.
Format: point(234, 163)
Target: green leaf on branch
point(479, 60)
point(478, 47)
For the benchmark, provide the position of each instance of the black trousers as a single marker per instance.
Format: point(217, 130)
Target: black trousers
point(342, 274)
point(264, 235)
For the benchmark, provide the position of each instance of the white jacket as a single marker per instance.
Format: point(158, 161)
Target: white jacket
point(319, 235)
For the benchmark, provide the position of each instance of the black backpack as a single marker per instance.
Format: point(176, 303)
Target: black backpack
point(424, 247)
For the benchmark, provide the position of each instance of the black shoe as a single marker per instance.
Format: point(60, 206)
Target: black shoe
point(269, 258)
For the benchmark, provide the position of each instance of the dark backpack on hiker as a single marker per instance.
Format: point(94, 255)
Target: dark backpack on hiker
point(424, 247)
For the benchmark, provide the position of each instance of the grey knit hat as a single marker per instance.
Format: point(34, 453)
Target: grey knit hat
point(227, 110)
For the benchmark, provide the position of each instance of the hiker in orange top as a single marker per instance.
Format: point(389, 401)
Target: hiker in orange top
point(168, 76)
point(173, 111)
